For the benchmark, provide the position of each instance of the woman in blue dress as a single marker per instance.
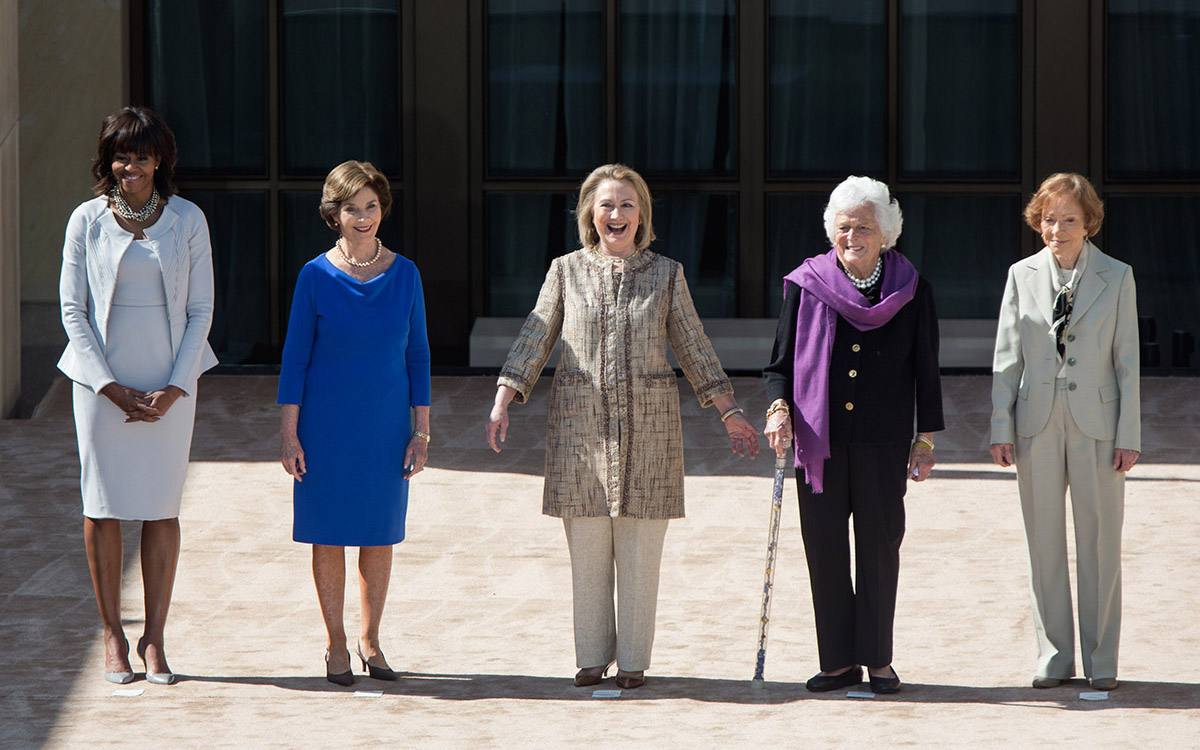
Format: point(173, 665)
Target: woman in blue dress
point(357, 327)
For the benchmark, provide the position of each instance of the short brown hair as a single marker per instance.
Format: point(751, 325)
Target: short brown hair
point(587, 199)
point(140, 131)
point(344, 182)
point(1074, 185)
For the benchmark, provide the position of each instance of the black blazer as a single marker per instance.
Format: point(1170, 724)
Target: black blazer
point(876, 377)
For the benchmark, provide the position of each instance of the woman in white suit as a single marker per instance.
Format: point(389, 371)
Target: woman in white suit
point(137, 303)
point(1066, 408)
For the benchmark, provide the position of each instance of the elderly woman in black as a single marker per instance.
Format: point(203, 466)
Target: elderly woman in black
point(856, 348)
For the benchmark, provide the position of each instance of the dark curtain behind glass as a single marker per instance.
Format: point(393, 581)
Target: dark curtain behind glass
point(206, 75)
point(1153, 100)
point(796, 231)
point(960, 83)
point(306, 235)
point(963, 245)
point(1158, 236)
point(545, 94)
point(237, 227)
point(700, 231)
point(341, 84)
point(525, 232)
point(677, 89)
point(828, 72)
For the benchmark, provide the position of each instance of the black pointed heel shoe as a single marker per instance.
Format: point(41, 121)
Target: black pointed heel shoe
point(344, 679)
point(376, 673)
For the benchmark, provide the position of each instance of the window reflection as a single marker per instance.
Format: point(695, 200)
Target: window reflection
point(545, 94)
point(237, 227)
point(206, 75)
point(340, 88)
point(677, 86)
point(959, 80)
point(963, 245)
point(700, 231)
point(827, 87)
point(796, 230)
point(525, 232)
point(1153, 103)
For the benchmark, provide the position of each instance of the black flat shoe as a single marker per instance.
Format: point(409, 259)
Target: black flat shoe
point(823, 683)
point(376, 673)
point(885, 685)
point(345, 679)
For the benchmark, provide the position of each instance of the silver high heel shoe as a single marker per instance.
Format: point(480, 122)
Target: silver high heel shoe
point(158, 678)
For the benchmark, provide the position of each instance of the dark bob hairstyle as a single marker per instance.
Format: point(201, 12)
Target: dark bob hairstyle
point(140, 131)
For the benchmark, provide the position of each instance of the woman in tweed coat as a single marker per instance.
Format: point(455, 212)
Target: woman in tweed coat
point(614, 444)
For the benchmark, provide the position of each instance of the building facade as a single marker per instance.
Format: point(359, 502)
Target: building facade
point(742, 114)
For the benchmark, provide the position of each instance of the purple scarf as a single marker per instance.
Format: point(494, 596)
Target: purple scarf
point(826, 293)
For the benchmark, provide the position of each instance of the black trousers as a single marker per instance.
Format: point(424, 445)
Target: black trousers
point(854, 618)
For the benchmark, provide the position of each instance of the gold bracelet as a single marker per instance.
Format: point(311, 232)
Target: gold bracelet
point(779, 405)
point(423, 435)
point(731, 412)
point(923, 440)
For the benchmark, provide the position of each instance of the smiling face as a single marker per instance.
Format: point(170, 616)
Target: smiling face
point(858, 240)
point(615, 215)
point(1064, 226)
point(134, 175)
point(358, 216)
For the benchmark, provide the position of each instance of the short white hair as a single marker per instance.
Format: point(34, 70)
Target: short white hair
point(856, 192)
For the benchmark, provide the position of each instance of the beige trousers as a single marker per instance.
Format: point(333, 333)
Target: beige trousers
point(634, 547)
point(1058, 456)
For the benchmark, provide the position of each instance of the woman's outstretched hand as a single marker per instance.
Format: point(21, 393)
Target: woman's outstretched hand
point(497, 424)
point(743, 438)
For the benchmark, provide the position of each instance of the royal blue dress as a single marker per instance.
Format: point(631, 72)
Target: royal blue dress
point(356, 359)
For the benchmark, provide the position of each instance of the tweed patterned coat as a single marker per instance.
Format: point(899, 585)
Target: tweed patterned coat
point(614, 443)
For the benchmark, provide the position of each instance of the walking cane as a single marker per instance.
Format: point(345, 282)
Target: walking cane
point(768, 582)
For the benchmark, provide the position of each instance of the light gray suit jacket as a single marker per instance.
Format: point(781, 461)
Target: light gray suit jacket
point(1103, 366)
point(92, 252)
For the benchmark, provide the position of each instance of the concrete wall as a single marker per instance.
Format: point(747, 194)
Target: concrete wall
point(10, 234)
point(71, 79)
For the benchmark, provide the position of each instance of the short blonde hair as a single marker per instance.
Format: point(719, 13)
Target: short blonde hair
point(344, 182)
point(1074, 185)
point(587, 201)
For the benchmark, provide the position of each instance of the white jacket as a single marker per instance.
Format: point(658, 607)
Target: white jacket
point(92, 252)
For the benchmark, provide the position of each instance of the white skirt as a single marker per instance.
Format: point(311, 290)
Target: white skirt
point(134, 471)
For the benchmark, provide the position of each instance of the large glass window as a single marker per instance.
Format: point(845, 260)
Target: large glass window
point(797, 232)
point(678, 86)
point(525, 232)
point(959, 89)
point(828, 97)
point(340, 86)
point(1153, 101)
point(207, 77)
point(1151, 234)
point(545, 94)
point(700, 231)
point(256, 169)
point(963, 245)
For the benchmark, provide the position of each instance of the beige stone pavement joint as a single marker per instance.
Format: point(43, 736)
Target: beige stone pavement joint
point(478, 619)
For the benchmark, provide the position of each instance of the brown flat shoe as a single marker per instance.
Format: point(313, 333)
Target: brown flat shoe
point(591, 675)
point(630, 680)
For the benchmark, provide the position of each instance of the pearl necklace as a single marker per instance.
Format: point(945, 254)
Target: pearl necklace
point(125, 212)
point(867, 283)
point(360, 264)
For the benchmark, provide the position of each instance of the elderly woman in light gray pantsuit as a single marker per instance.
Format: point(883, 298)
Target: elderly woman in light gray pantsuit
point(1066, 409)
point(614, 444)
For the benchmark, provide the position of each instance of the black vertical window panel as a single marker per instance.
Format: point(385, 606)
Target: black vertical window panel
point(340, 85)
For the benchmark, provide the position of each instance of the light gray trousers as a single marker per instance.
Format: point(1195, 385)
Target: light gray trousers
point(633, 546)
point(1058, 456)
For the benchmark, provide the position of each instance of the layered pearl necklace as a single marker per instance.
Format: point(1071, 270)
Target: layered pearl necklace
point(123, 210)
point(867, 283)
point(359, 264)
